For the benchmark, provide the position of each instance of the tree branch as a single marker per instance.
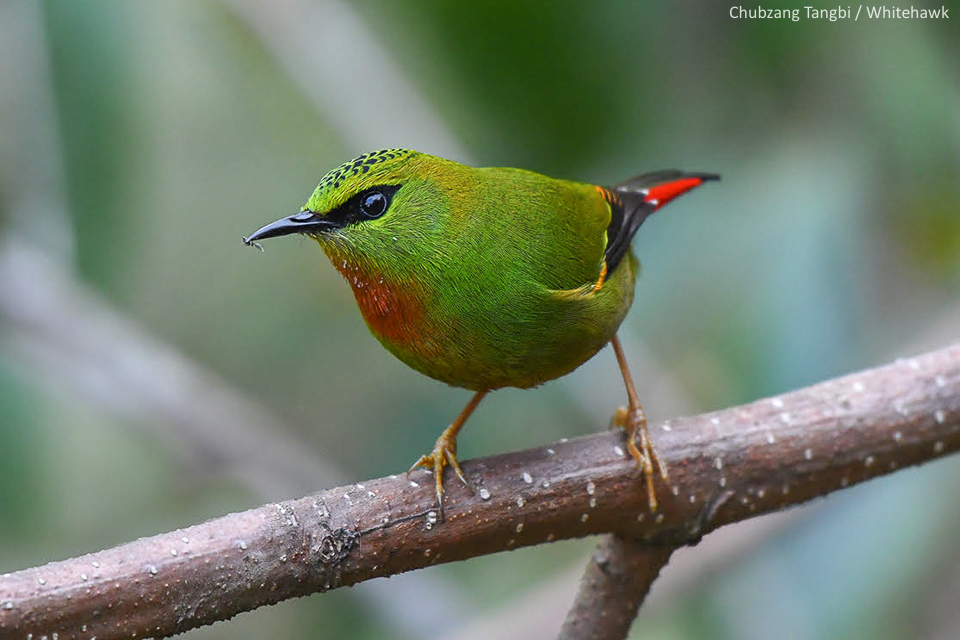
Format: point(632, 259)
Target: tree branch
point(69, 338)
point(724, 466)
point(617, 579)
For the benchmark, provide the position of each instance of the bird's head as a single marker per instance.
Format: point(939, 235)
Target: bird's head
point(377, 211)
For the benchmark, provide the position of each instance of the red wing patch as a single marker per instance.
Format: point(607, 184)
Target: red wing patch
point(661, 194)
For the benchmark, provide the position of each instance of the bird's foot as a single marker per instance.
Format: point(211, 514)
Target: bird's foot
point(634, 422)
point(444, 454)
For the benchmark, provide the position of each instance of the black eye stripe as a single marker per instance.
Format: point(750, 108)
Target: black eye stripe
point(353, 212)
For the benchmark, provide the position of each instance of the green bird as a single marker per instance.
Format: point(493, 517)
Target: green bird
point(486, 278)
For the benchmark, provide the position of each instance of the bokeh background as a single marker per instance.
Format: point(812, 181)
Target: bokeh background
point(155, 373)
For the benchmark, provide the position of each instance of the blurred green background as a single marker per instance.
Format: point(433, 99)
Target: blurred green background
point(155, 373)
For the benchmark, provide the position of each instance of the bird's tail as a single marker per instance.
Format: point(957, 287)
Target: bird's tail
point(634, 200)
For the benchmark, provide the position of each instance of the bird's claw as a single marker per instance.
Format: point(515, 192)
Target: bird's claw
point(619, 419)
point(444, 454)
point(634, 422)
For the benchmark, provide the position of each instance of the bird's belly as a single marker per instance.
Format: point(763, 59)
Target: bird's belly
point(513, 345)
point(519, 362)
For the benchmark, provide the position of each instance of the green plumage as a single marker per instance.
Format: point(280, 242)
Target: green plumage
point(503, 263)
point(487, 278)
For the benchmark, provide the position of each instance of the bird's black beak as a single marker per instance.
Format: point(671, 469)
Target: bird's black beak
point(302, 222)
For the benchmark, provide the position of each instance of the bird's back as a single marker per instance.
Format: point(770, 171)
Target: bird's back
point(517, 295)
point(482, 278)
point(549, 231)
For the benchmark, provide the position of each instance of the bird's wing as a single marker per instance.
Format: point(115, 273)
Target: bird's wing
point(633, 201)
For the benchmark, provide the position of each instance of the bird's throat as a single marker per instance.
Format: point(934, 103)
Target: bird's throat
point(393, 310)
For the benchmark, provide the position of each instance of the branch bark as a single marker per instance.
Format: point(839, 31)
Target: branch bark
point(613, 587)
point(68, 338)
point(725, 466)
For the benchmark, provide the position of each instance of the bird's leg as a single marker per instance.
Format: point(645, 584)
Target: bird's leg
point(445, 450)
point(633, 419)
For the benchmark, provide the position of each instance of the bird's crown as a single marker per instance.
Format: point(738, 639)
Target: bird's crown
point(363, 172)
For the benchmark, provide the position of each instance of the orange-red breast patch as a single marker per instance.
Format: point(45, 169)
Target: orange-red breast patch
point(393, 311)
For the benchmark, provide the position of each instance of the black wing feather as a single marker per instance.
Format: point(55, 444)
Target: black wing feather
point(629, 209)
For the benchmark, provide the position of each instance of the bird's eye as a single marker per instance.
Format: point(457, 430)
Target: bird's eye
point(373, 204)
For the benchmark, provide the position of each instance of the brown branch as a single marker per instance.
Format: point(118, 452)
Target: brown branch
point(536, 613)
point(724, 466)
point(617, 579)
point(68, 337)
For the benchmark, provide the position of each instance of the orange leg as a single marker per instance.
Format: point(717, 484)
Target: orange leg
point(445, 450)
point(633, 419)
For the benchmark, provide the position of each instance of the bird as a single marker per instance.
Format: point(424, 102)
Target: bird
point(486, 278)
